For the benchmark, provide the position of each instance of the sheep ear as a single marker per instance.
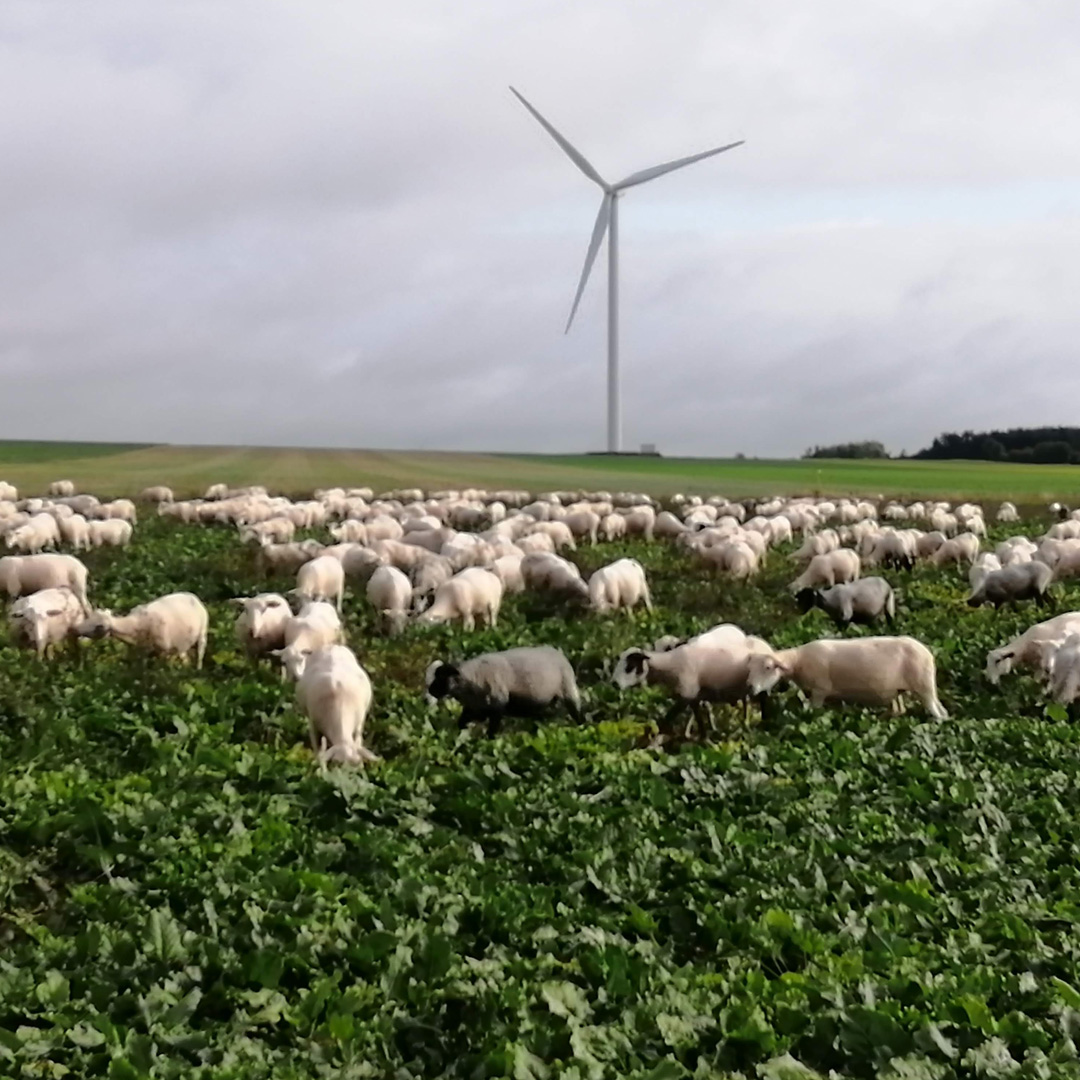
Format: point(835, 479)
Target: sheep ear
point(240, 601)
point(54, 612)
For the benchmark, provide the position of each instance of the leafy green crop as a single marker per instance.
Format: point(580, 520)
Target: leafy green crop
point(183, 894)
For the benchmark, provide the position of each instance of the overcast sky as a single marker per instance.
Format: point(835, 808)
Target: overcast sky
point(330, 223)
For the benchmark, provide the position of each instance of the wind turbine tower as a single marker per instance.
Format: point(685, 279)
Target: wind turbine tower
point(607, 223)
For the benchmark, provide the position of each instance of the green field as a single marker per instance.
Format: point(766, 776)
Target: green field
point(124, 470)
point(184, 895)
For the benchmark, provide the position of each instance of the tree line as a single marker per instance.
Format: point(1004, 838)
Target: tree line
point(1043, 446)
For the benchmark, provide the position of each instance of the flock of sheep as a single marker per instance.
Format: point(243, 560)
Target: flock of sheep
point(453, 556)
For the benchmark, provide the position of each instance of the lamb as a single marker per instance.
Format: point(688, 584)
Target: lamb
point(8, 492)
point(713, 667)
point(173, 625)
point(1023, 581)
point(315, 626)
point(864, 671)
point(112, 533)
point(390, 593)
point(46, 619)
point(517, 682)
point(964, 547)
point(835, 568)
point(335, 694)
point(1007, 512)
point(260, 626)
point(118, 510)
point(24, 574)
point(321, 579)
point(467, 595)
point(62, 488)
point(862, 601)
point(621, 584)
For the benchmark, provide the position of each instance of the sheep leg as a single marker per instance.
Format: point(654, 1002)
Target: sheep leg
point(573, 707)
point(669, 718)
point(494, 722)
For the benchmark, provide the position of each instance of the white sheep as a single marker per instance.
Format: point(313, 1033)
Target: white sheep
point(468, 595)
point(321, 579)
point(619, 585)
point(823, 571)
point(173, 625)
point(545, 572)
point(62, 488)
point(158, 494)
point(24, 574)
point(1033, 648)
point(507, 568)
point(335, 694)
point(640, 521)
point(733, 557)
point(1007, 512)
point(612, 527)
point(40, 532)
point(390, 593)
point(260, 626)
point(864, 671)
point(46, 619)
point(74, 531)
point(712, 667)
point(962, 548)
point(114, 532)
point(984, 565)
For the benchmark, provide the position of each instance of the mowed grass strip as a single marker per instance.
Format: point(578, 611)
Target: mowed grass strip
point(125, 469)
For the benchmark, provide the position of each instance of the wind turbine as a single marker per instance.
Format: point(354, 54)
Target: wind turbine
point(607, 222)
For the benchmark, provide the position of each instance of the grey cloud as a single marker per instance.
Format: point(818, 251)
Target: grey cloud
point(332, 225)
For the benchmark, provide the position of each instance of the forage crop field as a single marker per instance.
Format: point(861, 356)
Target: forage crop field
point(184, 894)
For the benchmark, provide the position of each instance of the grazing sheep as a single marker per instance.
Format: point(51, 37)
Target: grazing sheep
point(349, 532)
point(427, 575)
point(40, 532)
point(74, 531)
point(668, 526)
point(62, 488)
point(335, 693)
point(321, 579)
point(1007, 512)
point(114, 532)
point(1023, 581)
point(836, 568)
point(583, 524)
point(612, 527)
point(712, 667)
point(24, 574)
point(736, 558)
point(816, 544)
point(286, 558)
point(46, 619)
point(640, 521)
point(390, 593)
point(963, 548)
point(173, 625)
point(928, 543)
point(517, 682)
point(863, 671)
point(158, 494)
point(621, 584)
point(1017, 549)
point(470, 594)
point(260, 626)
point(863, 601)
point(553, 574)
point(1033, 648)
point(892, 549)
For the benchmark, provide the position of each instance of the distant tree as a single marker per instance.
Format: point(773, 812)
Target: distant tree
point(992, 449)
point(868, 449)
point(1014, 444)
point(1052, 453)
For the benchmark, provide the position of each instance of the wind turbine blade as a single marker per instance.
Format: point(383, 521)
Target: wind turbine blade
point(571, 152)
point(669, 166)
point(603, 218)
